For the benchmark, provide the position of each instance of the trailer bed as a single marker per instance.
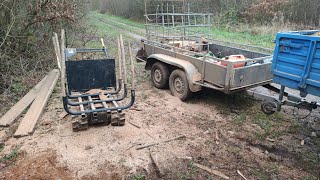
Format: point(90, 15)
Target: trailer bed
point(228, 79)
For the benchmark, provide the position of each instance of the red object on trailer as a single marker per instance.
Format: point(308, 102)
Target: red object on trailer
point(235, 58)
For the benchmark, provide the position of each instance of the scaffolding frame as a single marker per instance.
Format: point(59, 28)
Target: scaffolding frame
point(177, 25)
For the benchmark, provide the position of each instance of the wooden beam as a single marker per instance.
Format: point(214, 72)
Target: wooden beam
point(103, 97)
point(105, 105)
point(133, 76)
point(119, 58)
point(123, 59)
point(92, 105)
point(57, 49)
point(35, 111)
point(63, 62)
point(9, 118)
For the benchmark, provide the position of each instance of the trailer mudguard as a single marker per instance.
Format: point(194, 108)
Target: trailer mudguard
point(191, 71)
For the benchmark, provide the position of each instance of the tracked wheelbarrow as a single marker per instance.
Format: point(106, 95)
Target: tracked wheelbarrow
point(92, 90)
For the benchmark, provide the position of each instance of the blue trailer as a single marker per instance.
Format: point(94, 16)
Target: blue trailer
point(296, 65)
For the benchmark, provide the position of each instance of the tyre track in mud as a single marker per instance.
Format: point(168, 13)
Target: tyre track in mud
point(133, 35)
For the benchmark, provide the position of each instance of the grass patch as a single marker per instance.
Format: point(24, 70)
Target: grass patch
point(263, 121)
point(120, 19)
point(9, 158)
point(1, 147)
point(103, 29)
point(310, 161)
point(266, 173)
point(241, 119)
point(190, 174)
point(262, 40)
point(138, 177)
point(220, 33)
point(234, 150)
point(294, 128)
point(126, 24)
point(261, 136)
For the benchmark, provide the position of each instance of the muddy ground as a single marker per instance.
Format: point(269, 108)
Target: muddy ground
point(222, 132)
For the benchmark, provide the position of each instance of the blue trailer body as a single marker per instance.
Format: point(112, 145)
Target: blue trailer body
point(296, 61)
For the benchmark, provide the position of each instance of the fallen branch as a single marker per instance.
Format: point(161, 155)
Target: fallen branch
point(241, 175)
point(135, 109)
point(134, 144)
point(134, 124)
point(165, 141)
point(215, 172)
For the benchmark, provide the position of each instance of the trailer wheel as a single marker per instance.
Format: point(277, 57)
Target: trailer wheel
point(268, 107)
point(179, 85)
point(160, 75)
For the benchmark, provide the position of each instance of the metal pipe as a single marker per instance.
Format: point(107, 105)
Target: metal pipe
point(281, 95)
point(125, 93)
point(69, 111)
point(96, 94)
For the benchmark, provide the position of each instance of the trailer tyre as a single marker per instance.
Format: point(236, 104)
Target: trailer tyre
point(179, 85)
point(160, 75)
point(268, 108)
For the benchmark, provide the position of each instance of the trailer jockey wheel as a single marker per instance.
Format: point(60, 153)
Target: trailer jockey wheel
point(179, 85)
point(160, 75)
point(269, 107)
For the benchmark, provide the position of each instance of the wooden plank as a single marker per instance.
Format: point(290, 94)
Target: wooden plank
point(63, 62)
point(57, 49)
point(115, 103)
point(103, 97)
point(133, 76)
point(91, 104)
point(29, 121)
point(123, 59)
point(9, 118)
point(119, 58)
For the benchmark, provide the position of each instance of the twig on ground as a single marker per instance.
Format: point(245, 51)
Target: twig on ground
point(133, 124)
point(241, 175)
point(133, 145)
point(215, 172)
point(135, 109)
point(165, 141)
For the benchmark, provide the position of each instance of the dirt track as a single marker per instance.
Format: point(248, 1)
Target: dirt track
point(217, 136)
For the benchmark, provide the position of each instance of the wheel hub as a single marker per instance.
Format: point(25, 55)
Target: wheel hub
point(179, 85)
point(157, 75)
